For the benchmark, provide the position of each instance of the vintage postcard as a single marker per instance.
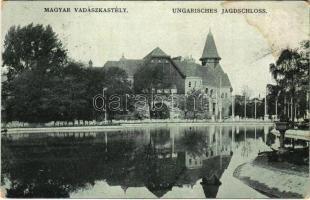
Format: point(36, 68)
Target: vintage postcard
point(155, 99)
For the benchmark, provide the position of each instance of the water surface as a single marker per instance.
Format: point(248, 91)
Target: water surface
point(166, 161)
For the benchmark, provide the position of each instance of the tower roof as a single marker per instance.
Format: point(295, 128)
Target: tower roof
point(210, 50)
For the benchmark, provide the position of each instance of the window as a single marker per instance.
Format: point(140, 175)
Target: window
point(213, 108)
point(222, 95)
point(195, 84)
point(211, 92)
point(206, 90)
point(189, 84)
point(225, 95)
point(190, 161)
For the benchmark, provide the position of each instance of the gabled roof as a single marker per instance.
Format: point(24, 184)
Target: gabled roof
point(157, 52)
point(111, 64)
point(210, 50)
point(128, 65)
point(188, 68)
point(210, 75)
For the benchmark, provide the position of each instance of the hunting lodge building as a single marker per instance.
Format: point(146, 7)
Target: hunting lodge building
point(185, 75)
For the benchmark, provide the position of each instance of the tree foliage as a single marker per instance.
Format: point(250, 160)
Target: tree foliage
point(193, 104)
point(43, 86)
point(291, 73)
point(250, 107)
point(149, 78)
point(32, 47)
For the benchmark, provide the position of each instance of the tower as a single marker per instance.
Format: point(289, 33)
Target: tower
point(90, 63)
point(210, 54)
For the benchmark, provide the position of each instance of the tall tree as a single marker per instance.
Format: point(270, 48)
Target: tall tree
point(246, 92)
point(118, 91)
point(147, 80)
point(194, 103)
point(33, 57)
point(28, 98)
point(44, 86)
point(291, 73)
point(32, 47)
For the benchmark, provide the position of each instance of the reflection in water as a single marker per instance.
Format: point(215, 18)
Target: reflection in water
point(159, 159)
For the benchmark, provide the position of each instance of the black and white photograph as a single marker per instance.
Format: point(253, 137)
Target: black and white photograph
point(155, 99)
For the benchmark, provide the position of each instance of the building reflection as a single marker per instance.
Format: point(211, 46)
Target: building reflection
point(57, 164)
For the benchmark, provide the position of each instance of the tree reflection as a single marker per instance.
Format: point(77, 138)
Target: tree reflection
point(54, 167)
point(193, 142)
point(56, 171)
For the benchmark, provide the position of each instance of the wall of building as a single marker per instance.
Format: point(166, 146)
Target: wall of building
point(192, 83)
point(193, 162)
point(218, 97)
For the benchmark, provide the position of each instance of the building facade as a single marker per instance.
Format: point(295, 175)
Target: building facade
point(182, 76)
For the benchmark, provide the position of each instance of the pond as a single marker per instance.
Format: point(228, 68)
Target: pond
point(153, 162)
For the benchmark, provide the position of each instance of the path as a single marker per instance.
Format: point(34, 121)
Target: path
point(232, 187)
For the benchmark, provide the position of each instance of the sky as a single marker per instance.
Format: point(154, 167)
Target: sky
point(247, 43)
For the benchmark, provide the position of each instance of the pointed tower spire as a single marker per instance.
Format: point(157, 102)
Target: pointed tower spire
point(123, 57)
point(210, 54)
